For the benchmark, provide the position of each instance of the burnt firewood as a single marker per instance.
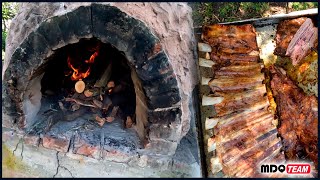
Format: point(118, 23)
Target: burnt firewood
point(53, 119)
point(118, 88)
point(110, 84)
point(100, 120)
point(106, 102)
point(74, 115)
point(102, 82)
point(62, 107)
point(129, 122)
point(114, 111)
point(98, 103)
point(88, 93)
point(81, 102)
point(75, 107)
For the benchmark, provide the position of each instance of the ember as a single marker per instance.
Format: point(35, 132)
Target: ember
point(106, 95)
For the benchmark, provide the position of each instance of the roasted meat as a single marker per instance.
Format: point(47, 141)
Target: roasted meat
point(298, 114)
point(245, 133)
point(303, 41)
point(233, 43)
point(285, 32)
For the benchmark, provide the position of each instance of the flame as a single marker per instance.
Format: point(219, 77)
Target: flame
point(92, 57)
point(77, 74)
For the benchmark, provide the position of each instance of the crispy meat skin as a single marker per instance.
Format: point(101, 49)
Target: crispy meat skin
point(239, 71)
point(231, 44)
point(285, 32)
point(245, 134)
point(299, 117)
point(226, 83)
point(302, 42)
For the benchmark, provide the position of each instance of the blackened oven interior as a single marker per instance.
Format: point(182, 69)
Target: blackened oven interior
point(57, 85)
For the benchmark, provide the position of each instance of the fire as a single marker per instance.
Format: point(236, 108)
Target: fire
point(77, 72)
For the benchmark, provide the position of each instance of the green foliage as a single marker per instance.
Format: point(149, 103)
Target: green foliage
point(297, 6)
point(214, 12)
point(254, 9)
point(228, 11)
point(9, 10)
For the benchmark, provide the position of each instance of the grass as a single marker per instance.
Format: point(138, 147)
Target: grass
point(215, 12)
point(253, 9)
point(297, 6)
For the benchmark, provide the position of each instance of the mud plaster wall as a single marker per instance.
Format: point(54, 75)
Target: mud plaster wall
point(170, 22)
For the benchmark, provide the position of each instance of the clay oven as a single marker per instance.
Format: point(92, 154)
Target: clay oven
point(146, 50)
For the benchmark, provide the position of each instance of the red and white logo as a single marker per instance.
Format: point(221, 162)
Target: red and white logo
point(298, 168)
point(292, 169)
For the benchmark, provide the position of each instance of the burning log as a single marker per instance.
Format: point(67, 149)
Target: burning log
point(80, 86)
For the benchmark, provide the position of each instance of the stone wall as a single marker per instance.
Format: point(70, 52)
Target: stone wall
point(174, 49)
point(170, 22)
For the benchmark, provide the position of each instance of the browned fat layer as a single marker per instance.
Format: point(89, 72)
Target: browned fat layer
point(261, 89)
point(227, 107)
point(224, 121)
point(219, 30)
point(279, 158)
point(241, 143)
point(275, 158)
point(231, 59)
point(235, 43)
point(246, 135)
point(252, 159)
point(239, 57)
point(231, 84)
point(235, 153)
point(235, 50)
point(238, 73)
point(261, 151)
point(298, 117)
point(285, 32)
point(241, 122)
point(235, 68)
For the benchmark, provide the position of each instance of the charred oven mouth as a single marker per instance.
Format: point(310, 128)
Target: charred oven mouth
point(86, 87)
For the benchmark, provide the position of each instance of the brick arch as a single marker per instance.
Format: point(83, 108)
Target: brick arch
point(110, 25)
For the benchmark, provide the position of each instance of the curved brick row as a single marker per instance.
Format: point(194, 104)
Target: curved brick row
point(110, 25)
